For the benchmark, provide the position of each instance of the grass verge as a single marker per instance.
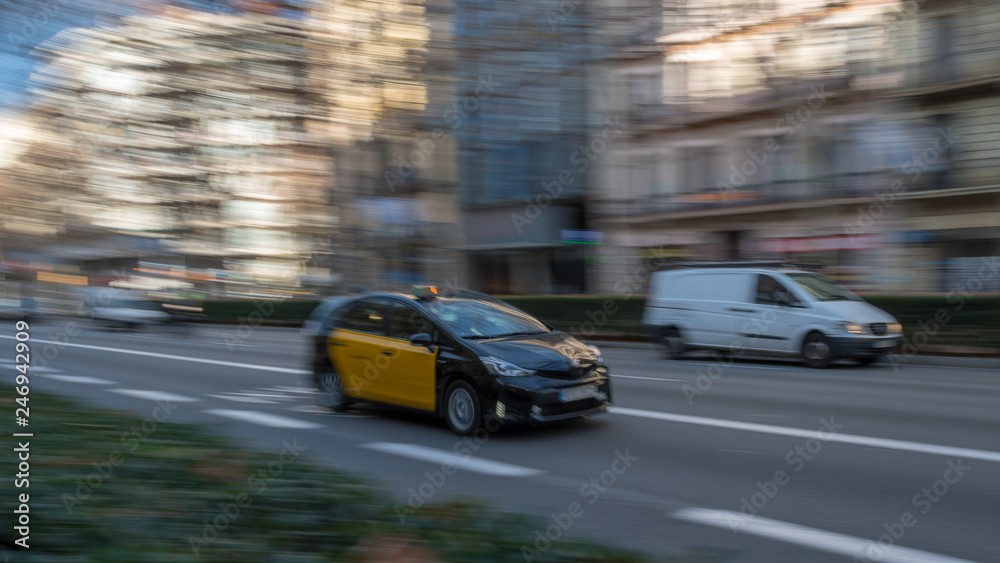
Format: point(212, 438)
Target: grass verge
point(110, 487)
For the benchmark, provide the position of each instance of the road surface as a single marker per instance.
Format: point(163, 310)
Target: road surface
point(754, 461)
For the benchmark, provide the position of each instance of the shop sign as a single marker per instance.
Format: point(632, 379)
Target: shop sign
point(815, 244)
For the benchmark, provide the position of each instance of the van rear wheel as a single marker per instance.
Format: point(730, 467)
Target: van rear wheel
point(673, 342)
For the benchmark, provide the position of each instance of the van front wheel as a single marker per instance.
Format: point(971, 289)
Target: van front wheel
point(673, 342)
point(817, 350)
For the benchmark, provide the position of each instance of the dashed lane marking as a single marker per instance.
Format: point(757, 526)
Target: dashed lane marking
point(264, 419)
point(242, 399)
point(812, 538)
point(79, 379)
point(155, 395)
point(467, 463)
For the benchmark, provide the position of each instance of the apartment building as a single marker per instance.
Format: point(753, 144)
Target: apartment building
point(858, 134)
point(191, 143)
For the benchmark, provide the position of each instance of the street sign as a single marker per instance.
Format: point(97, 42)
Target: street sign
point(581, 237)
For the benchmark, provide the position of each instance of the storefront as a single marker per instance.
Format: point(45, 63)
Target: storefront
point(846, 259)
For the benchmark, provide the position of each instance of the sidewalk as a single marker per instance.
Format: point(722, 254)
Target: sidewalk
point(985, 359)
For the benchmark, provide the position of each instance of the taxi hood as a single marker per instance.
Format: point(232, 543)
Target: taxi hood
point(553, 351)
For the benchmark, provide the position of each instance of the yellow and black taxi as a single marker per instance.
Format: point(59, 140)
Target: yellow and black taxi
point(461, 355)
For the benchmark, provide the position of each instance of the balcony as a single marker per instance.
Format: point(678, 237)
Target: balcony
point(819, 190)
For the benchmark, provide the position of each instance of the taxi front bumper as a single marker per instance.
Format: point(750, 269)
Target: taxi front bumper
point(541, 400)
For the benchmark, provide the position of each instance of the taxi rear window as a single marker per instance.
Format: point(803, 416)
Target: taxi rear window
point(366, 316)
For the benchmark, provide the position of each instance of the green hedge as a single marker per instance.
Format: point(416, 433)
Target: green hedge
point(287, 312)
point(587, 315)
point(972, 320)
point(108, 487)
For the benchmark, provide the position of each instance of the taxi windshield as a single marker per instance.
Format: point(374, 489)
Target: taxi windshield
point(479, 320)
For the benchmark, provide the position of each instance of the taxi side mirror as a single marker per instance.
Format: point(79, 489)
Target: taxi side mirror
point(421, 339)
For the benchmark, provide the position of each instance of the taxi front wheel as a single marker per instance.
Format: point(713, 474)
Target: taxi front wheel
point(462, 410)
point(332, 392)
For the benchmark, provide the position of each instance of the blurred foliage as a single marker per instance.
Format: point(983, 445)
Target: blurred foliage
point(172, 485)
point(963, 320)
point(587, 316)
point(973, 320)
point(290, 312)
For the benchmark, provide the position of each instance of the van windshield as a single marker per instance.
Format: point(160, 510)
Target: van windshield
point(822, 289)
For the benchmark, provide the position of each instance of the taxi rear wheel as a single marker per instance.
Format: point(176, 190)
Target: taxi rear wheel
point(462, 410)
point(331, 392)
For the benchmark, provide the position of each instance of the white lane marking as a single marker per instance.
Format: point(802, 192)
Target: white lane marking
point(270, 395)
point(316, 409)
point(172, 357)
point(820, 540)
point(155, 395)
point(739, 365)
point(305, 390)
point(437, 456)
point(79, 379)
point(647, 378)
point(227, 344)
point(242, 399)
point(264, 419)
point(941, 367)
point(31, 368)
point(886, 443)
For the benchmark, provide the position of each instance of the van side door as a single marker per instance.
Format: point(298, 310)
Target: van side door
point(712, 297)
point(776, 313)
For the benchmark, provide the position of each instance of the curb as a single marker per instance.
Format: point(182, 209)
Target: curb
point(990, 362)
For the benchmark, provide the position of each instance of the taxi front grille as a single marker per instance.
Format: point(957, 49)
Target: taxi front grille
point(572, 373)
point(556, 409)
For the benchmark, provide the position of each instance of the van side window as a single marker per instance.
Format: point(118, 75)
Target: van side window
point(771, 292)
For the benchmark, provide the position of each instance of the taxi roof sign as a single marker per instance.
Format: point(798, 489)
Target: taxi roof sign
point(425, 291)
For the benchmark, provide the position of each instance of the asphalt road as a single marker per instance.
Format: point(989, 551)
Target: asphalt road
point(755, 462)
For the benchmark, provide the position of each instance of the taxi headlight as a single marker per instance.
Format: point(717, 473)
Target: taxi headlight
point(853, 328)
point(597, 351)
point(496, 366)
point(894, 328)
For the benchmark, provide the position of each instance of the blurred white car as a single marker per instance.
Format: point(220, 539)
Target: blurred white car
point(17, 309)
point(130, 312)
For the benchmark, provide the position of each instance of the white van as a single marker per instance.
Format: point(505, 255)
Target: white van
point(749, 309)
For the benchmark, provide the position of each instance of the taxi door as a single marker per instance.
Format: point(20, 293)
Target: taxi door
point(411, 372)
point(355, 345)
